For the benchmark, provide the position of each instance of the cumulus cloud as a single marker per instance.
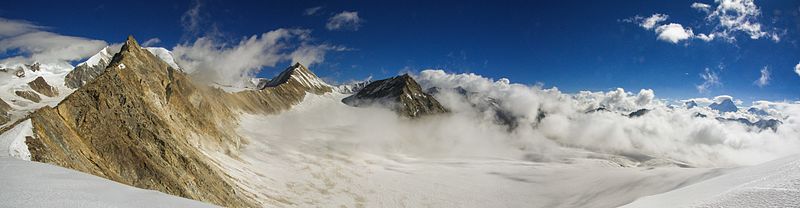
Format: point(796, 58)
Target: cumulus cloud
point(652, 21)
point(710, 79)
point(151, 42)
point(738, 16)
point(673, 33)
point(797, 69)
point(345, 20)
point(763, 80)
point(31, 43)
point(233, 65)
point(727, 19)
point(312, 10)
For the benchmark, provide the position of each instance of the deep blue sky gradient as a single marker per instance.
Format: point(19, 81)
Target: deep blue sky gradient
point(573, 45)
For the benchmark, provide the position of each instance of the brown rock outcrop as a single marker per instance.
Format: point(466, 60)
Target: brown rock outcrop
point(30, 95)
point(40, 85)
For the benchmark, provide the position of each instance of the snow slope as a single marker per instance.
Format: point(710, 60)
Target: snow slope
point(33, 184)
point(293, 160)
point(12, 142)
point(772, 184)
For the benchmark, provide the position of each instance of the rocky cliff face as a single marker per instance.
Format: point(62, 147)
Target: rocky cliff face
point(4, 108)
point(401, 93)
point(40, 85)
point(89, 70)
point(143, 123)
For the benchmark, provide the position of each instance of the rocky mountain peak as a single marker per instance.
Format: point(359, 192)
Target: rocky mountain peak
point(725, 105)
point(401, 93)
point(299, 74)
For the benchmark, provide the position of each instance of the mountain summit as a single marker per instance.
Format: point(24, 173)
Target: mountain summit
point(725, 106)
point(401, 93)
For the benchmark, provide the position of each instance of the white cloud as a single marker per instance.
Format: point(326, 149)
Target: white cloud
point(727, 19)
point(190, 20)
point(701, 7)
point(645, 97)
point(710, 79)
point(739, 16)
point(16, 27)
point(797, 69)
point(662, 132)
point(32, 43)
point(312, 11)
point(763, 80)
point(344, 21)
point(210, 60)
point(151, 42)
point(673, 33)
point(309, 55)
point(653, 21)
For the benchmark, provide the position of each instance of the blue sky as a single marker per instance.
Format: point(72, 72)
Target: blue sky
point(573, 45)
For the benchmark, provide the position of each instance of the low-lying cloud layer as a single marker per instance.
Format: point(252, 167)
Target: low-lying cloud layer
point(497, 118)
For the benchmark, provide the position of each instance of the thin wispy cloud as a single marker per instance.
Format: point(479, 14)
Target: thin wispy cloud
point(345, 20)
point(710, 80)
point(763, 80)
point(190, 20)
point(312, 11)
point(151, 42)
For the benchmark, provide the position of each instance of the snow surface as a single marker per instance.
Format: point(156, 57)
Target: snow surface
point(293, 161)
point(164, 54)
point(104, 55)
point(12, 142)
point(9, 83)
point(772, 184)
point(33, 184)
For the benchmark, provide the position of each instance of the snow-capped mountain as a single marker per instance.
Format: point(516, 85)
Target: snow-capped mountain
point(726, 105)
point(353, 87)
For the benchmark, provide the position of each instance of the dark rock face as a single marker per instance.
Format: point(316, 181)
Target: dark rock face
point(33, 67)
point(84, 73)
point(40, 85)
point(638, 113)
point(20, 72)
point(761, 124)
point(402, 94)
point(691, 104)
point(599, 109)
point(725, 106)
point(30, 95)
point(4, 108)
point(756, 111)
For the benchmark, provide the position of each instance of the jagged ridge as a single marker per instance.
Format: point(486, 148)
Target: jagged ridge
point(145, 124)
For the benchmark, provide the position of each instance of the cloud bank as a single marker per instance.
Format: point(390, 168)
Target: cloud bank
point(548, 126)
point(26, 42)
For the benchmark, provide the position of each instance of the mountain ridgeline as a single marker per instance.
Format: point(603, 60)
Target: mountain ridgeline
point(143, 123)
